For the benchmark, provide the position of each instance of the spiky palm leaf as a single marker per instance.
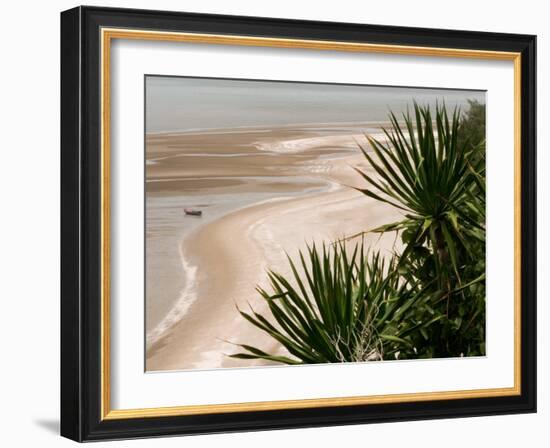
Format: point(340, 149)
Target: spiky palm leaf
point(340, 307)
point(424, 171)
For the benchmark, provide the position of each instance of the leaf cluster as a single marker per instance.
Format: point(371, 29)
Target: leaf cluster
point(346, 304)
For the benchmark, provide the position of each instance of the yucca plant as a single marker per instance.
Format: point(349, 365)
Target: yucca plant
point(424, 172)
point(345, 306)
point(433, 173)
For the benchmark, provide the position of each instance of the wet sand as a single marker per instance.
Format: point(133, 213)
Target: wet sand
point(262, 192)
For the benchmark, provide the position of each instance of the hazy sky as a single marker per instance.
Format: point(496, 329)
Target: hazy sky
point(180, 104)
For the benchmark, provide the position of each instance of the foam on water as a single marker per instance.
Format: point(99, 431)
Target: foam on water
point(186, 298)
point(338, 142)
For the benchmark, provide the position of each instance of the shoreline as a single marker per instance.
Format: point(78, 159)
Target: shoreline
point(243, 129)
point(181, 306)
point(205, 346)
point(257, 208)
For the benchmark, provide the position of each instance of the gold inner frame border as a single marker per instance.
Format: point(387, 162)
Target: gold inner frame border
point(107, 36)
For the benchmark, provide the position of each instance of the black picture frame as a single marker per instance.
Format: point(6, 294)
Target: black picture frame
point(81, 414)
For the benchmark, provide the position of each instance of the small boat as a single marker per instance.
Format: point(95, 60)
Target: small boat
point(192, 212)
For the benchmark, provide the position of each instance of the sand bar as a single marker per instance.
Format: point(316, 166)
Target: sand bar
point(263, 192)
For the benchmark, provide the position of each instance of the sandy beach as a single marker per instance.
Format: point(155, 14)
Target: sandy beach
point(263, 192)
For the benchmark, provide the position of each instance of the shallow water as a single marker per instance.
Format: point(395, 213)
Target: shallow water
point(170, 274)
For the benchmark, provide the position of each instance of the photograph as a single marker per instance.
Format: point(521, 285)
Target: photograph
point(291, 223)
point(285, 221)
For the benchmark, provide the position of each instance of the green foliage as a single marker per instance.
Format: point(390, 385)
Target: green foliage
point(472, 127)
point(429, 300)
point(436, 177)
point(345, 307)
point(426, 174)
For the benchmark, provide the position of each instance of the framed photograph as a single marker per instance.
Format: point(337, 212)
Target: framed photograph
point(275, 224)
